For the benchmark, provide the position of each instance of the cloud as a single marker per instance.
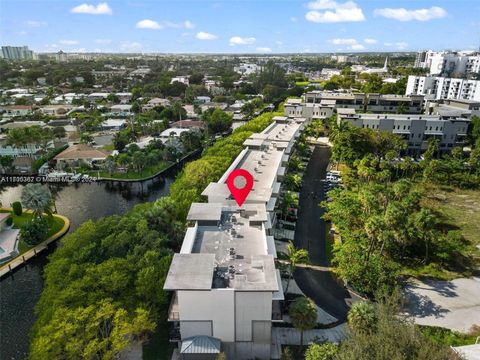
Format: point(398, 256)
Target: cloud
point(148, 24)
point(237, 40)
point(202, 35)
point(293, 19)
point(352, 44)
point(369, 41)
point(35, 23)
point(333, 12)
point(79, 50)
point(100, 9)
point(68, 42)
point(103, 41)
point(22, 33)
point(130, 46)
point(264, 49)
point(155, 25)
point(400, 45)
point(343, 41)
point(278, 42)
point(402, 14)
point(188, 24)
point(357, 47)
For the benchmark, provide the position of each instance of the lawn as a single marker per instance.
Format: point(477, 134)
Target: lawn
point(133, 175)
point(457, 209)
point(444, 336)
point(460, 209)
point(55, 225)
point(109, 147)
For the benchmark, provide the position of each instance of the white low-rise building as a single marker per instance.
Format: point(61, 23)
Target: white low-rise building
point(226, 286)
point(415, 129)
point(181, 79)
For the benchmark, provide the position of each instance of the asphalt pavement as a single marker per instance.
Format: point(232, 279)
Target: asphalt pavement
point(310, 233)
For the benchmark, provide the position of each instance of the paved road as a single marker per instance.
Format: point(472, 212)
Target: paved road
point(310, 234)
point(451, 304)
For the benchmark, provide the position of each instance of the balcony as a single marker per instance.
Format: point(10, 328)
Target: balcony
point(277, 311)
point(174, 335)
point(173, 311)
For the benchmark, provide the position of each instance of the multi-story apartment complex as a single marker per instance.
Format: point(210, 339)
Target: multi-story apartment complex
point(17, 53)
point(449, 63)
point(227, 289)
point(415, 129)
point(437, 88)
point(320, 104)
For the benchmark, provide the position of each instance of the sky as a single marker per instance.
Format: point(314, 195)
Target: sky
point(248, 26)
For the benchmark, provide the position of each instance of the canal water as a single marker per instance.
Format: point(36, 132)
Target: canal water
point(79, 202)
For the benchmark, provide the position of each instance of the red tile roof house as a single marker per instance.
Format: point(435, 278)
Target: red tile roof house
point(17, 110)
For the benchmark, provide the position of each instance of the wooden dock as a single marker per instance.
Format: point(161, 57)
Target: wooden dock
point(23, 258)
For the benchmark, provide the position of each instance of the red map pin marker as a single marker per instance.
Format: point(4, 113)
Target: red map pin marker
point(240, 194)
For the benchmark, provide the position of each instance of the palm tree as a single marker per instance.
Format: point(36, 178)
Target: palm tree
point(293, 182)
point(303, 313)
point(294, 256)
point(110, 164)
point(37, 198)
point(424, 222)
point(289, 200)
point(373, 228)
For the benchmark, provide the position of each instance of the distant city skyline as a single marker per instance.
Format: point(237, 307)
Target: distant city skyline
point(240, 26)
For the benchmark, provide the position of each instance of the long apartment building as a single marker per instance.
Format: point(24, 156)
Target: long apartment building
point(439, 88)
point(227, 291)
point(321, 104)
point(449, 63)
point(415, 129)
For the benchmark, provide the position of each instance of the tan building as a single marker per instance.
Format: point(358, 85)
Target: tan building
point(76, 154)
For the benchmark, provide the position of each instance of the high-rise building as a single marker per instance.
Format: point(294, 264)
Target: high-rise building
point(17, 53)
point(441, 88)
point(449, 63)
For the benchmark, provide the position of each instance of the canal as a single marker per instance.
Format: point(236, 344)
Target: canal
point(79, 202)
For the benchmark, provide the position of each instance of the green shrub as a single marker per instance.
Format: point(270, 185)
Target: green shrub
point(9, 221)
point(362, 317)
point(17, 208)
point(35, 231)
point(321, 351)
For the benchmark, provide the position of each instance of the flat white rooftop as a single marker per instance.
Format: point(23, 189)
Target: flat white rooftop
point(237, 252)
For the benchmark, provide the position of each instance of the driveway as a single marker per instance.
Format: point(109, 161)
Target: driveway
point(451, 304)
point(310, 233)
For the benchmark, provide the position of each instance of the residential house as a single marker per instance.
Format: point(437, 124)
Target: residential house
point(121, 110)
point(8, 239)
point(113, 124)
point(76, 155)
point(180, 79)
point(10, 111)
point(154, 103)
